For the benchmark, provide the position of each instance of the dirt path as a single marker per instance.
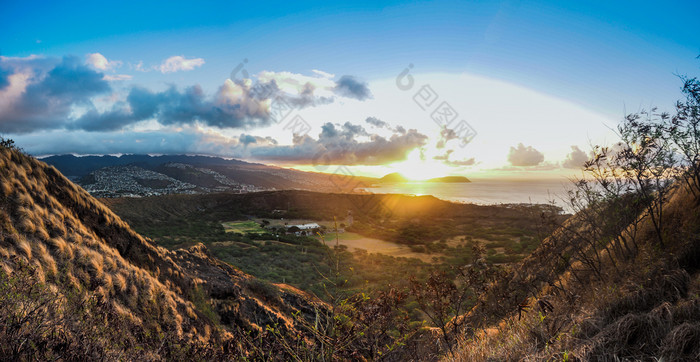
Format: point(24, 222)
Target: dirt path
point(356, 241)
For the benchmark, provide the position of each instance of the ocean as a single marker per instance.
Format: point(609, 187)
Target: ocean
point(486, 191)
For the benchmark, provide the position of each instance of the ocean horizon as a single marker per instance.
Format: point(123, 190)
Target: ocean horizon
point(486, 191)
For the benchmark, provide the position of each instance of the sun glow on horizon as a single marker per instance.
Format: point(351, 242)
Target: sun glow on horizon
point(417, 168)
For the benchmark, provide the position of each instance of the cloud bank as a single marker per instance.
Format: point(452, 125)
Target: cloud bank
point(45, 94)
point(37, 98)
point(346, 144)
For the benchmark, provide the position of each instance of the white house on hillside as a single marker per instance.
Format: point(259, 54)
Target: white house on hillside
point(305, 228)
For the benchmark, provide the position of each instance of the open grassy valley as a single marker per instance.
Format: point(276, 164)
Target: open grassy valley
point(411, 233)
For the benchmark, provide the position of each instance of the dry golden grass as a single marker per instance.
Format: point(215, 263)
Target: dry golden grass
point(46, 259)
point(6, 188)
point(54, 236)
point(26, 224)
point(24, 248)
point(58, 246)
point(648, 309)
point(119, 282)
point(78, 247)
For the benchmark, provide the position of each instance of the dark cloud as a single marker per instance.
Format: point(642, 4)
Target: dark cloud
point(48, 100)
point(246, 139)
point(351, 87)
point(524, 156)
point(446, 134)
point(352, 130)
point(116, 119)
point(303, 91)
point(376, 122)
point(339, 145)
point(575, 159)
point(223, 111)
point(175, 107)
point(71, 79)
point(305, 98)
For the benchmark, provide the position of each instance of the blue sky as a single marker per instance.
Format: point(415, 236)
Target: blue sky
point(601, 57)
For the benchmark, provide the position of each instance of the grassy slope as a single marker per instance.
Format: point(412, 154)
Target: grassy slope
point(143, 302)
point(646, 307)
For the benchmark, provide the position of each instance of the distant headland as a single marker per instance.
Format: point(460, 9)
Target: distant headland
point(398, 178)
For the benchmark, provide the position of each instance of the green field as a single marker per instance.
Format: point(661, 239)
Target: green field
point(243, 227)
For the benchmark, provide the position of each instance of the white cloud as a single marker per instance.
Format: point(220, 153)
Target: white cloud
point(139, 67)
point(323, 74)
point(99, 61)
point(179, 63)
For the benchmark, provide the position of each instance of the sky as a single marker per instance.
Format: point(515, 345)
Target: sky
point(507, 88)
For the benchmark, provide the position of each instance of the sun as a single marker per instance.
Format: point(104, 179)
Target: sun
point(415, 168)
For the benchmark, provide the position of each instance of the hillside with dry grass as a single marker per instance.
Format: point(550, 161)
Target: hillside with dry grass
point(77, 282)
point(620, 279)
point(642, 307)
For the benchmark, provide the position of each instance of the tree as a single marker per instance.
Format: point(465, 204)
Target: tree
point(8, 143)
point(684, 131)
point(647, 160)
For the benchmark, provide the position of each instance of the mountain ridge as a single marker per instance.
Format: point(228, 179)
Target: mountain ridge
point(205, 173)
